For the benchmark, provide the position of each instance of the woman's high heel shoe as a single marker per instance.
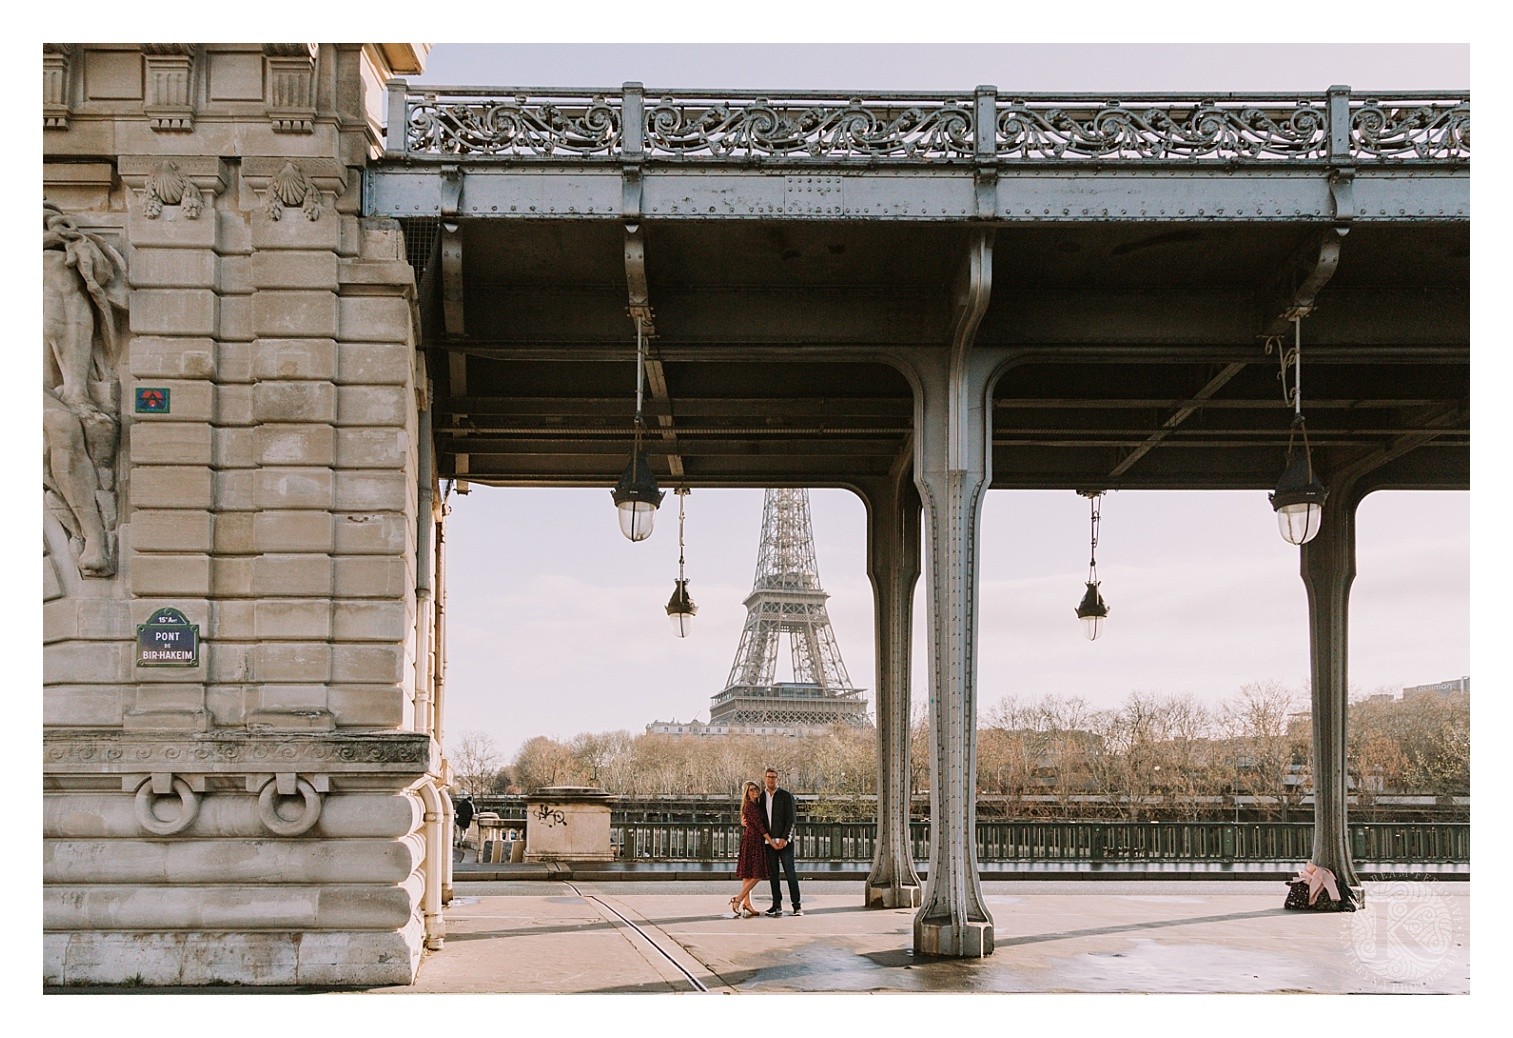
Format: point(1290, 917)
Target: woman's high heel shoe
point(735, 908)
point(747, 912)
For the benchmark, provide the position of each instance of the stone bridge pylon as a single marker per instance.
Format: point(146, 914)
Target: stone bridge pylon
point(241, 782)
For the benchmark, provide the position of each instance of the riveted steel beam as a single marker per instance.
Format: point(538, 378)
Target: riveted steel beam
point(1432, 423)
point(638, 290)
point(640, 310)
point(1175, 419)
point(948, 194)
point(453, 316)
point(744, 407)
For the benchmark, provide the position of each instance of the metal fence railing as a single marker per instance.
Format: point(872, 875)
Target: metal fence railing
point(971, 126)
point(1079, 841)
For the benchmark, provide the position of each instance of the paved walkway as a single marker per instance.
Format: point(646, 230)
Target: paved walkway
point(1052, 936)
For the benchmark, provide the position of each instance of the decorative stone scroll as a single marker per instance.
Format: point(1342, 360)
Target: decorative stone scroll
point(231, 752)
point(83, 285)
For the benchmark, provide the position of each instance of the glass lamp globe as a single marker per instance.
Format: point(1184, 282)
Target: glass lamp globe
point(637, 497)
point(637, 519)
point(1299, 500)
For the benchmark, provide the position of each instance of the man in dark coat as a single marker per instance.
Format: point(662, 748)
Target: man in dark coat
point(782, 815)
point(463, 813)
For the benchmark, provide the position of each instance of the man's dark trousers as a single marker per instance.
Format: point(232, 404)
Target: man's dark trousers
point(785, 856)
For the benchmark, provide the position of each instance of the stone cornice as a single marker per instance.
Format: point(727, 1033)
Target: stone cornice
point(110, 752)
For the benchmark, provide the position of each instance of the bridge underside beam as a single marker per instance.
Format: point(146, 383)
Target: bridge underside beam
point(798, 191)
point(782, 345)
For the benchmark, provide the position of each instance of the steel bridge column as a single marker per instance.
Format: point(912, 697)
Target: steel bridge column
point(1328, 569)
point(893, 565)
point(952, 453)
point(953, 919)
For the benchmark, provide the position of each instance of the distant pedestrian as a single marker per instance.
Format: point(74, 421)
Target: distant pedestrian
point(463, 814)
point(751, 858)
point(781, 816)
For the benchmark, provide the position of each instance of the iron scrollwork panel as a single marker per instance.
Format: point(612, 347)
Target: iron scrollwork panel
point(1411, 131)
point(793, 128)
point(515, 126)
point(917, 128)
point(1174, 130)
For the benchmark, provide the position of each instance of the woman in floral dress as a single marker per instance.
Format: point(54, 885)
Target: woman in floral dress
point(751, 859)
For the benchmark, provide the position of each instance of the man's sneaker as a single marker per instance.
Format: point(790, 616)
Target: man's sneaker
point(797, 910)
point(773, 912)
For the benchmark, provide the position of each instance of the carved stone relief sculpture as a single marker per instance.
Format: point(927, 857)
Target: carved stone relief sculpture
point(291, 188)
point(167, 186)
point(83, 284)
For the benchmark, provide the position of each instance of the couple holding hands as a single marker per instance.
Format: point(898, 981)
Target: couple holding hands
point(767, 822)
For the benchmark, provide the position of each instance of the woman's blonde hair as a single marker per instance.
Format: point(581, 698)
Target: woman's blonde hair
point(748, 786)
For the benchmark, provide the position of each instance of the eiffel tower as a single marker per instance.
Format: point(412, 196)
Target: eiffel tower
point(786, 599)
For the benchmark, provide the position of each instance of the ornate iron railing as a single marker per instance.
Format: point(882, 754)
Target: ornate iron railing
point(1082, 841)
point(982, 126)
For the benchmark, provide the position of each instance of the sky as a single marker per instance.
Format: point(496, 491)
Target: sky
point(556, 623)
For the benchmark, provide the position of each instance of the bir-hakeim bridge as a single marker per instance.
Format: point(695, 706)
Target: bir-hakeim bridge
point(286, 295)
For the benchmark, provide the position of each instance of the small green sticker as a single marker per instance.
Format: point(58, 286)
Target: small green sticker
point(152, 400)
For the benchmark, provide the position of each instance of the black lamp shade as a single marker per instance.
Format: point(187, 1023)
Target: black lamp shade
point(1092, 611)
point(1299, 500)
point(680, 609)
point(638, 498)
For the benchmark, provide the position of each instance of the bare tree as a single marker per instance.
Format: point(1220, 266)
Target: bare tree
point(1421, 744)
point(476, 762)
point(595, 753)
point(545, 762)
point(920, 753)
point(1263, 744)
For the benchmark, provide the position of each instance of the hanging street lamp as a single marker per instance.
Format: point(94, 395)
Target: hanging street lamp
point(680, 608)
point(1299, 497)
point(1092, 610)
point(637, 495)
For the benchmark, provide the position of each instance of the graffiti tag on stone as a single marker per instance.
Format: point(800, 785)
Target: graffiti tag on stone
point(552, 816)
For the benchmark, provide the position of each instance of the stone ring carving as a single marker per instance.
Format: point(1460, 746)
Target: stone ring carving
point(268, 813)
point(147, 818)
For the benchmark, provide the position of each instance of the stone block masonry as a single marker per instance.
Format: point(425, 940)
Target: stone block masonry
point(256, 817)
